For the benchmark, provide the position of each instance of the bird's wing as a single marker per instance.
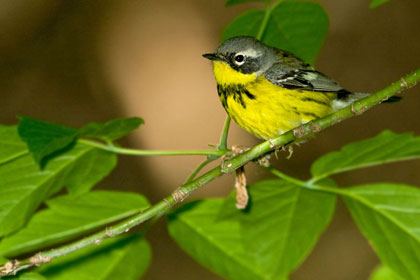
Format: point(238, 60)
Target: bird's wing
point(285, 76)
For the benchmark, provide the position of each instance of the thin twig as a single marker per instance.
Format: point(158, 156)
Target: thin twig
point(136, 152)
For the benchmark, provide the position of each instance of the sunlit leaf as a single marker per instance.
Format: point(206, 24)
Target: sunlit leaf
point(283, 224)
point(383, 273)
point(268, 241)
point(389, 216)
point(24, 186)
point(11, 146)
point(383, 148)
point(31, 276)
point(89, 170)
point(214, 243)
point(71, 216)
point(124, 258)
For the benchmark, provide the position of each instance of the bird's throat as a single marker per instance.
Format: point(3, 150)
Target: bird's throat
point(227, 76)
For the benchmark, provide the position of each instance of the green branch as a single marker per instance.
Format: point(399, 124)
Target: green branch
point(185, 190)
point(135, 152)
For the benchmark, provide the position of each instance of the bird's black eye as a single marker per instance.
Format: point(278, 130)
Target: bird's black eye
point(239, 58)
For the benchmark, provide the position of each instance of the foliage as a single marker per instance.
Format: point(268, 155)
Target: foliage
point(383, 273)
point(298, 27)
point(47, 171)
point(122, 258)
point(267, 241)
point(376, 3)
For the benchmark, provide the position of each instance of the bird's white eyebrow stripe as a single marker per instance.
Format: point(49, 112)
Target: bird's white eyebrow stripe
point(251, 52)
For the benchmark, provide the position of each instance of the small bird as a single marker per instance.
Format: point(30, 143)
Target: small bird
point(268, 91)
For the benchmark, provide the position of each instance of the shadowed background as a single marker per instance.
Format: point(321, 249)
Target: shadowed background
point(78, 61)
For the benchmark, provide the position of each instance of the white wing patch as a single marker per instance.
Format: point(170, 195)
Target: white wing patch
point(310, 76)
point(341, 103)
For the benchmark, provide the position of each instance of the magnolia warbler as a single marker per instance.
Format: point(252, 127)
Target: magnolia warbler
point(268, 91)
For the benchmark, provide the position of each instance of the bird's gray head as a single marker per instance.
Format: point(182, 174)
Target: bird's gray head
point(244, 54)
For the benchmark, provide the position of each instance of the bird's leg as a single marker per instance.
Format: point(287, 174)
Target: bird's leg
point(240, 186)
point(265, 160)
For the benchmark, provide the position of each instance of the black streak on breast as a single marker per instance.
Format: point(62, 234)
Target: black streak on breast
point(236, 91)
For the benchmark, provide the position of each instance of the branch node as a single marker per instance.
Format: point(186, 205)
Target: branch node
point(107, 232)
point(39, 259)
point(7, 269)
point(315, 127)
point(299, 132)
point(404, 83)
point(355, 111)
point(272, 145)
point(179, 195)
point(167, 202)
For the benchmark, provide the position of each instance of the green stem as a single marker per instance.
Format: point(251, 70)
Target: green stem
point(228, 166)
point(264, 23)
point(307, 184)
point(135, 152)
point(268, 10)
point(223, 138)
point(285, 177)
point(198, 169)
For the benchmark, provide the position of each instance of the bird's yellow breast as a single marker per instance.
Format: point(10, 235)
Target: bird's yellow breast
point(264, 109)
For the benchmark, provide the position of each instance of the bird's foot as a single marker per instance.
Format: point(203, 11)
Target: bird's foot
point(288, 148)
point(236, 150)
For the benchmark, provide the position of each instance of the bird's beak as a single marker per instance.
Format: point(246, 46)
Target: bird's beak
point(212, 56)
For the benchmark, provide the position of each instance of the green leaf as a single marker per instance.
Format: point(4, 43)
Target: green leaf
point(31, 276)
point(267, 241)
point(3, 260)
point(23, 186)
point(234, 2)
point(376, 3)
point(111, 130)
point(284, 224)
point(90, 169)
point(214, 243)
point(45, 138)
point(247, 24)
point(68, 217)
point(383, 273)
point(124, 258)
point(383, 148)
point(298, 27)
point(389, 216)
point(11, 146)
